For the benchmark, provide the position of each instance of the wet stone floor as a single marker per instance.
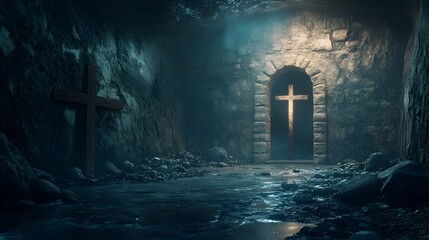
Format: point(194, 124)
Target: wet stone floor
point(244, 202)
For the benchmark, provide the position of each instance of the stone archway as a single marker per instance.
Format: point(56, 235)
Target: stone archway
point(261, 128)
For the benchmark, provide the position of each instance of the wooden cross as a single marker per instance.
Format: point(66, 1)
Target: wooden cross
point(91, 100)
point(290, 98)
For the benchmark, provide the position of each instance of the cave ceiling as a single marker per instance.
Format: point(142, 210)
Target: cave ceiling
point(204, 11)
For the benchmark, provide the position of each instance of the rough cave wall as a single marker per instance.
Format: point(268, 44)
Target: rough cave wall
point(45, 44)
point(416, 85)
point(361, 59)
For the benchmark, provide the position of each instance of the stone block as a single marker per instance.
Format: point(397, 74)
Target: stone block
point(318, 79)
point(262, 110)
point(319, 109)
point(269, 68)
point(301, 62)
point(320, 127)
point(311, 70)
point(322, 43)
point(319, 137)
point(262, 78)
point(319, 99)
point(260, 89)
point(261, 147)
point(261, 127)
point(290, 60)
point(339, 35)
point(261, 100)
point(320, 158)
point(319, 89)
point(319, 117)
point(278, 62)
point(262, 117)
point(319, 148)
point(261, 137)
point(261, 158)
point(336, 23)
point(352, 45)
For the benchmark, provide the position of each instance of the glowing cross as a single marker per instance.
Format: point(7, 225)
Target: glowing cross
point(290, 97)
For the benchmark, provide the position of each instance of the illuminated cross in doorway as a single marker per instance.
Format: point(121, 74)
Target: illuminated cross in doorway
point(290, 98)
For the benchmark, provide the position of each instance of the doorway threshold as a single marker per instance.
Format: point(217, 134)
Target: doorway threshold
point(297, 161)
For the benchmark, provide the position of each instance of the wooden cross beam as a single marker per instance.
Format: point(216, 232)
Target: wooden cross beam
point(91, 100)
point(290, 98)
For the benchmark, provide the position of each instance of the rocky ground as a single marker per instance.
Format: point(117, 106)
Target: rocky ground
point(381, 198)
point(155, 169)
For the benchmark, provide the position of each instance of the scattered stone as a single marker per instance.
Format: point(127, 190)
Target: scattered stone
point(44, 175)
point(340, 35)
point(303, 198)
point(89, 180)
point(290, 185)
point(110, 168)
point(69, 197)
point(182, 153)
point(221, 164)
point(152, 174)
point(320, 176)
point(345, 222)
point(145, 167)
point(326, 228)
point(360, 189)
point(163, 168)
point(129, 166)
point(365, 235)
point(407, 183)
point(181, 169)
point(296, 171)
point(342, 174)
point(323, 191)
point(265, 174)
point(378, 161)
point(75, 174)
point(16, 175)
point(44, 191)
point(186, 165)
point(216, 154)
point(374, 208)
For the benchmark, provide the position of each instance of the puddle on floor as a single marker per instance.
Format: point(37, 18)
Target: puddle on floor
point(267, 230)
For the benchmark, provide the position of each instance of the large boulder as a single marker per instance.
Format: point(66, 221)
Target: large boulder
point(379, 161)
point(110, 168)
point(69, 197)
point(360, 189)
point(16, 175)
point(216, 154)
point(44, 175)
point(406, 183)
point(44, 191)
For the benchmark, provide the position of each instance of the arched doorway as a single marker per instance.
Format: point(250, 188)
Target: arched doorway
point(291, 100)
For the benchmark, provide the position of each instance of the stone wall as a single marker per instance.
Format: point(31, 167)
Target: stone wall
point(45, 44)
point(416, 79)
point(355, 64)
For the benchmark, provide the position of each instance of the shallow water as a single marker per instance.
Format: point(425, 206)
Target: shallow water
point(237, 203)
